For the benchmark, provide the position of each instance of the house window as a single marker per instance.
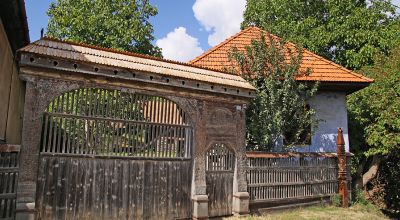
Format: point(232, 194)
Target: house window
point(305, 136)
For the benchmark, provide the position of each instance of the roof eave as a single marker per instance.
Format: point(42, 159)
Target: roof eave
point(348, 87)
point(13, 16)
point(65, 65)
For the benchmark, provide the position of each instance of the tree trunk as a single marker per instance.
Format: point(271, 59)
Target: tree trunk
point(372, 171)
point(357, 178)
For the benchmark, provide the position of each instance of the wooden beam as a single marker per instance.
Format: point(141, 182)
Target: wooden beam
point(9, 148)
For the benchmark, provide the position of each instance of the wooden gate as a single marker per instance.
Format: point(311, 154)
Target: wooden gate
point(9, 167)
point(108, 154)
point(220, 166)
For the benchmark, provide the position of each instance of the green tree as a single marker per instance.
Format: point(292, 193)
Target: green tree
point(377, 107)
point(118, 24)
point(352, 33)
point(349, 32)
point(279, 108)
point(374, 114)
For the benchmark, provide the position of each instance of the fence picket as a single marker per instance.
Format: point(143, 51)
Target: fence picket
point(282, 177)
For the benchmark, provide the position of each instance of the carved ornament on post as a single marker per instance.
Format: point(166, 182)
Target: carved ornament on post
point(342, 172)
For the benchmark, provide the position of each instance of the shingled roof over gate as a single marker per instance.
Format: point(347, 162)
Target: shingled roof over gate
point(78, 52)
point(321, 69)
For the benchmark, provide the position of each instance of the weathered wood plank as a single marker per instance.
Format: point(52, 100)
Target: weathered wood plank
point(9, 169)
point(220, 163)
point(9, 156)
point(259, 154)
point(271, 177)
point(81, 188)
point(8, 148)
point(8, 195)
point(299, 183)
point(9, 160)
point(219, 190)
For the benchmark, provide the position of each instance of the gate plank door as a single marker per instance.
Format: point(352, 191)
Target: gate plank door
point(220, 165)
point(78, 188)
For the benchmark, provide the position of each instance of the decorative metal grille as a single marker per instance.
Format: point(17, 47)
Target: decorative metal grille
point(101, 122)
point(220, 158)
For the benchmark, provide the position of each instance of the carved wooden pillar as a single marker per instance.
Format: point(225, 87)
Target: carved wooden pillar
point(342, 171)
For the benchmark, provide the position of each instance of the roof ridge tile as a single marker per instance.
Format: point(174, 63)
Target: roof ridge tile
point(219, 45)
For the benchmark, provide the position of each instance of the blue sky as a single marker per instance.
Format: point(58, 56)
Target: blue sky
point(166, 20)
point(183, 28)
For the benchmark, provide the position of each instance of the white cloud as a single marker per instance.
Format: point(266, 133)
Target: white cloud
point(397, 4)
point(220, 17)
point(180, 46)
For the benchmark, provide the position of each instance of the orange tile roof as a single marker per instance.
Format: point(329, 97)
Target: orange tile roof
point(321, 69)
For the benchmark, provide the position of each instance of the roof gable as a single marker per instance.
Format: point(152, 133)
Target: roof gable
point(321, 69)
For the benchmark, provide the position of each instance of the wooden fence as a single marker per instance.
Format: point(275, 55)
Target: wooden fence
point(9, 162)
point(280, 177)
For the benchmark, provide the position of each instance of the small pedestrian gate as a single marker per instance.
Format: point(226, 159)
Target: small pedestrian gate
point(220, 166)
point(110, 154)
point(9, 168)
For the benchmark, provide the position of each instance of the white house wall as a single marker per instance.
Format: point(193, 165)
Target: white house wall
point(331, 110)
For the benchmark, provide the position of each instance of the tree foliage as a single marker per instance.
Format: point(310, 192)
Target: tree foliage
point(376, 109)
point(374, 128)
point(118, 24)
point(389, 179)
point(278, 110)
point(349, 32)
point(384, 190)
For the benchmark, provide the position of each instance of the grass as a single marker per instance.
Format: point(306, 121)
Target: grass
point(356, 212)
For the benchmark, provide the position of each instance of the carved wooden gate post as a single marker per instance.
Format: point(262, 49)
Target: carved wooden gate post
point(342, 173)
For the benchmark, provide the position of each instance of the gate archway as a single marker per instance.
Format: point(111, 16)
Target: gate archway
point(114, 154)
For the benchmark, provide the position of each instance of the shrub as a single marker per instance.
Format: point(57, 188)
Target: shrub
point(359, 197)
point(335, 200)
